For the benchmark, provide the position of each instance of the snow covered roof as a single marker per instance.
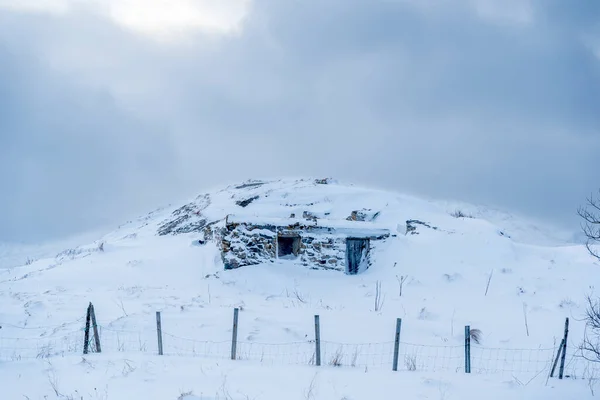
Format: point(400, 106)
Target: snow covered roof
point(344, 227)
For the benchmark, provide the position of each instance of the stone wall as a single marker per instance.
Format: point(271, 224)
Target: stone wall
point(248, 244)
point(324, 251)
point(321, 247)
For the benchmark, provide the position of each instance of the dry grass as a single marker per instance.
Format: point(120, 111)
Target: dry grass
point(476, 336)
point(336, 359)
point(410, 362)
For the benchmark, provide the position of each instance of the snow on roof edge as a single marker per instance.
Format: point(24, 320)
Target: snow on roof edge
point(350, 228)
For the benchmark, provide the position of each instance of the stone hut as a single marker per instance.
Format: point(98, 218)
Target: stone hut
point(316, 243)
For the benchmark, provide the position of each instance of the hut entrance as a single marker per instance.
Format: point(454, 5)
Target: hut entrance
point(288, 246)
point(357, 253)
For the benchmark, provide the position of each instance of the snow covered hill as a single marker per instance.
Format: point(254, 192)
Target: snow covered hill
point(467, 265)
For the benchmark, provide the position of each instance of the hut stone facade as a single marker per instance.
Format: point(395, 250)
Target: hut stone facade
point(344, 247)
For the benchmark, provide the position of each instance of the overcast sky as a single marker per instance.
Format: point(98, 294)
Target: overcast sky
point(110, 108)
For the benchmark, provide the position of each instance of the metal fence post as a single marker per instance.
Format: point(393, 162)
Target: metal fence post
point(317, 340)
point(159, 333)
point(467, 349)
point(234, 334)
point(397, 344)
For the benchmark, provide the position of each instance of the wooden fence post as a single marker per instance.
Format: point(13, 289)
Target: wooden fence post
point(95, 326)
point(86, 336)
point(564, 350)
point(397, 344)
point(159, 333)
point(317, 340)
point(234, 334)
point(467, 349)
point(557, 358)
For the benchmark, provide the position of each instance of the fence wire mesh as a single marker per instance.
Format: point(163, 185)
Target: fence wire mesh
point(418, 357)
point(14, 349)
point(411, 356)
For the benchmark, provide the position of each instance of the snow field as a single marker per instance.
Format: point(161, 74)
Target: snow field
point(443, 273)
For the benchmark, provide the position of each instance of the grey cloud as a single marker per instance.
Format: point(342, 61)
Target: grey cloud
point(69, 156)
point(436, 101)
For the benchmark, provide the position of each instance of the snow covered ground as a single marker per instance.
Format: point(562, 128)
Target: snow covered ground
point(132, 376)
point(436, 281)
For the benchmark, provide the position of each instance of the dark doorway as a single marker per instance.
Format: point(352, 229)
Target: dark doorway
point(288, 246)
point(357, 253)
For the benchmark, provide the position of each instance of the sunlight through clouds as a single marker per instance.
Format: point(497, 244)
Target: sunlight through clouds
point(161, 19)
point(168, 18)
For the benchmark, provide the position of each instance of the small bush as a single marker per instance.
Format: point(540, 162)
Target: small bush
point(567, 303)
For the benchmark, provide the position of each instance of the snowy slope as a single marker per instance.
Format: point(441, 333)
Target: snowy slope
point(133, 272)
point(17, 254)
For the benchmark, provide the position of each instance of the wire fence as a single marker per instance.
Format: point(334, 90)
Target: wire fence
point(411, 356)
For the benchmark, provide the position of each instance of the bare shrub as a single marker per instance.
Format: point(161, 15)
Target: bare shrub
point(354, 357)
point(525, 317)
point(488, 282)
point(459, 214)
point(592, 382)
point(567, 303)
point(142, 344)
point(299, 296)
point(120, 344)
point(591, 224)
point(224, 390)
point(45, 351)
point(122, 307)
point(336, 359)
point(424, 314)
point(410, 362)
point(309, 393)
point(183, 395)
point(127, 368)
point(401, 281)
point(590, 348)
point(476, 335)
point(53, 381)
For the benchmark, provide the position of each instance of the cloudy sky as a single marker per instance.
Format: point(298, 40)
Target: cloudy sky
point(109, 108)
